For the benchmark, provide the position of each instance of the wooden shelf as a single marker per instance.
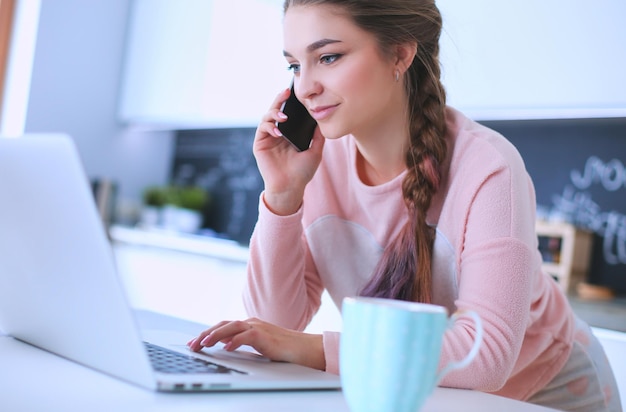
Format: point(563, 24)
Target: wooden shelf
point(566, 251)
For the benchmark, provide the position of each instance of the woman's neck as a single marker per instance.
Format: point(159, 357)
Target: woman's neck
point(381, 150)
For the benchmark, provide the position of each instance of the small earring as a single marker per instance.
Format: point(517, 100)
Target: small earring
point(397, 75)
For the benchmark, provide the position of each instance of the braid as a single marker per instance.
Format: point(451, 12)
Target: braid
point(426, 152)
point(404, 272)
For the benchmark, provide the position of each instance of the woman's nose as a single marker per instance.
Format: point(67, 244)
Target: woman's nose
point(307, 85)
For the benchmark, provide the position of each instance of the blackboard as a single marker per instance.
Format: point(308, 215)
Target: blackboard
point(578, 167)
point(221, 161)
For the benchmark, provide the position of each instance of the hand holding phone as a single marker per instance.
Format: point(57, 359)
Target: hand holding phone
point(299, 127)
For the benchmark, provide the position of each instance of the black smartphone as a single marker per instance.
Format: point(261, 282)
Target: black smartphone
point(299, 127)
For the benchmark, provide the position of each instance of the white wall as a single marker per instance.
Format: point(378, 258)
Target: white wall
point(75, 87)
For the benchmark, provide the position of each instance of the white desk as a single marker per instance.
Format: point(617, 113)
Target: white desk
point(34, 380)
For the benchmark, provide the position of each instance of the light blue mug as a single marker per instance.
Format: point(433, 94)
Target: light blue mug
point(390, 350)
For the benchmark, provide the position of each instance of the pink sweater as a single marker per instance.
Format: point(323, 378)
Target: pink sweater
point(485, 258)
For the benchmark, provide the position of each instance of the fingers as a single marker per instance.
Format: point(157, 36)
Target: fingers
point(268, 128)
point(225, 332)
point(280, 99)
point(194, 344)
point(273, 115)
point(273, 342)
point(317, 144)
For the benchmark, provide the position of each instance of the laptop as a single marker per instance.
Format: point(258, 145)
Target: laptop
point(59, 289)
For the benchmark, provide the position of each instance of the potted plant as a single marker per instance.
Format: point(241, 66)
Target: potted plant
point(154, 198)
point(183, 208)
point(193, 198)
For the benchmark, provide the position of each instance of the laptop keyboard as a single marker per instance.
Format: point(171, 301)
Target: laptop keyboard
point(168, 361)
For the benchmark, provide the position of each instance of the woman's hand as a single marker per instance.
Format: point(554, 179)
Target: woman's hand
point(271, 341)
point(285, 171)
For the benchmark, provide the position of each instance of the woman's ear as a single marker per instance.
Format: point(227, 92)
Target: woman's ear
point(405, 53)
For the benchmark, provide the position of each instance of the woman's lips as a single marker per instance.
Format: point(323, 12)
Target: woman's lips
point(322, 112)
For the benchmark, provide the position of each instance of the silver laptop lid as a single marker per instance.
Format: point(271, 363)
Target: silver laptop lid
point(58, 288)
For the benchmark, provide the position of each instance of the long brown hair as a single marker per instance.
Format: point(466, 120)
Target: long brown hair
point(404, 271)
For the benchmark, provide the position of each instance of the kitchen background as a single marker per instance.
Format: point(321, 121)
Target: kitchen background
point(157, 91)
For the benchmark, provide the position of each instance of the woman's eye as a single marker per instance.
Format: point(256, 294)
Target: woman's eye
point(294, 67)
point(329, 58)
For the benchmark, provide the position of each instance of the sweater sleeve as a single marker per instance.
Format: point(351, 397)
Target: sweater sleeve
point(283, 287)
point(331, 351)
point(497, 267)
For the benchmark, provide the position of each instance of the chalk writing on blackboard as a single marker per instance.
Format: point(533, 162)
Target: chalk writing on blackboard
point(578, 206)
point(611, 175)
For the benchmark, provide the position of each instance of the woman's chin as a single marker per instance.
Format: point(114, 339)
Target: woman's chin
point(332, 133)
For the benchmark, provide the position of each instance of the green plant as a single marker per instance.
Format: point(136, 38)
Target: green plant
point(194, 198)
point(155, 196)
point(187, 197)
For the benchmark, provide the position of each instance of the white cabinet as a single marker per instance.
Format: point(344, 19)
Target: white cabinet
point(535, 58)
point(202, 63)
point(191, 286)
point(190, 277)
point(215, 63)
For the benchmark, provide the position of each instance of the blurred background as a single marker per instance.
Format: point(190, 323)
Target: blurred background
point(163, 95)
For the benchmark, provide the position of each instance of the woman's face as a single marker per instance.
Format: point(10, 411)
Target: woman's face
point(340, 74)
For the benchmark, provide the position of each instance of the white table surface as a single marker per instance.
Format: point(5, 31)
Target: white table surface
point(34, 380)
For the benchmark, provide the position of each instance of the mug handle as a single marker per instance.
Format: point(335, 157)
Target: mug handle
point(472, 353)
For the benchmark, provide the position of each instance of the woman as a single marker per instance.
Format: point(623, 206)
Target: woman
point(400, 196)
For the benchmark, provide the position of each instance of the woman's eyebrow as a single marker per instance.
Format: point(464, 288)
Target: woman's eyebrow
point(315, 45)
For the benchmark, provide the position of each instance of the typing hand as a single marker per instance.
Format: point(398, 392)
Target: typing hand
point(271, 341)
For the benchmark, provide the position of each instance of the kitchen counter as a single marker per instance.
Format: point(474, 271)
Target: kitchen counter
point(204, 245)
